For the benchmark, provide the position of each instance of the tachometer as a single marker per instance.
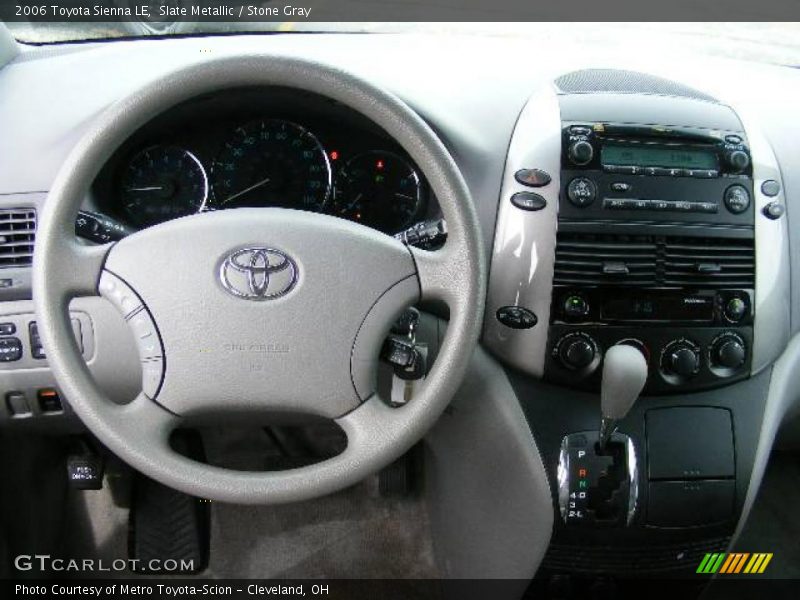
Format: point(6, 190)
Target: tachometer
point(380, 190)
point(162, 183)
point(272, 163)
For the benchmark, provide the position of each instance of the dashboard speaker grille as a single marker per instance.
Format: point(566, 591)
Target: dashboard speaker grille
point(653, 261)
point(615, 81)
point(17, 235)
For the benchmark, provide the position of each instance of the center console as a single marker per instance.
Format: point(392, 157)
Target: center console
point(639, 212)
point(655, 246)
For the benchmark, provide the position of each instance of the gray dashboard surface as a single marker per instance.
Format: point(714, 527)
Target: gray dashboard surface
point(469, 88)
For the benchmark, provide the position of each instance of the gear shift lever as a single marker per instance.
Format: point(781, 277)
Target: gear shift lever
point(624, 376)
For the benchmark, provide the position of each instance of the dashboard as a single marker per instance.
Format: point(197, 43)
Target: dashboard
point(701, 275)
point(263, 148)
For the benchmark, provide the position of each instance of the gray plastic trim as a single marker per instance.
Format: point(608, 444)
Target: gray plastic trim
point(486, 485)
point(138, 432)
point(784, 394)
point(524, 245)
point(771, 326)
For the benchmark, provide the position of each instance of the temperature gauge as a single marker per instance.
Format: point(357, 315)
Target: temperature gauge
point(380, 190)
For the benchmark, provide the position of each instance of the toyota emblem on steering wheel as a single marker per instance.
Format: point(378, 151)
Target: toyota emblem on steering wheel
point(258, 273)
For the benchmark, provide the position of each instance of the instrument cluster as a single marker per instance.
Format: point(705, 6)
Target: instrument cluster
point(307, 154)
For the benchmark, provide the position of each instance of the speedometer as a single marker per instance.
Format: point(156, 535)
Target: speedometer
point(272, 163)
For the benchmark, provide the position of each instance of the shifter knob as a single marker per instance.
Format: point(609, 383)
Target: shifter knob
point(624, 376)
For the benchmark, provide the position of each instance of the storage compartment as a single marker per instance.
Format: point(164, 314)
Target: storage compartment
point(690, 443)
point(690, 503)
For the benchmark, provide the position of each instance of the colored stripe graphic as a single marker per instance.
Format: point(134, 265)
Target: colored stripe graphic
point(733, 563)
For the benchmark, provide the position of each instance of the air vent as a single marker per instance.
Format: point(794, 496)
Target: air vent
point(17, 233)
point(653, 261)
point(709, 262)
point(597, 259)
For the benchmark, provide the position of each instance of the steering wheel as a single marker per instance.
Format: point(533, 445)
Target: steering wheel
point(258, 310)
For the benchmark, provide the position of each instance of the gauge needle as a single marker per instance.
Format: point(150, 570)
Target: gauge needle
point(247, 189)
point(151, 188)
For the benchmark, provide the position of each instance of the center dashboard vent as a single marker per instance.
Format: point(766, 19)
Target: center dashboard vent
point(584, 259)
point(17, 235)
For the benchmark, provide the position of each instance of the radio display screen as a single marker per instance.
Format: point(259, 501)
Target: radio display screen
point(658, 156)
point(658, 308)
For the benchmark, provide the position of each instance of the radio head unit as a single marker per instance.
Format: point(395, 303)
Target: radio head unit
point(655, 173)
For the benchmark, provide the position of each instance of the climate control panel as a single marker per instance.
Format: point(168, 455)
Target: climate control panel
point(679, 358)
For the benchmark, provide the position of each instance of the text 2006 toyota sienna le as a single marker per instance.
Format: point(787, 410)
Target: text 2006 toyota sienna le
point(285, 307)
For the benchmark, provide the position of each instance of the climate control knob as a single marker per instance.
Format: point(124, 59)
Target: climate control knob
point(578, 352)
point(580, 152)
point(681, 358)
point(728, 351)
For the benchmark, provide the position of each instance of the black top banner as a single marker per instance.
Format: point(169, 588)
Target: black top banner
point(170, 11)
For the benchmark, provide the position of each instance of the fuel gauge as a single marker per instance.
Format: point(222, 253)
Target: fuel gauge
point(380, 190)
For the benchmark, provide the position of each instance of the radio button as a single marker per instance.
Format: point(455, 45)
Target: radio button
point(705, 207)
point(628, 170)
point(581, 192)
point(737, 199)
point(621, 186)
point(661, 205)
point(705, 173)
point(683, 206)
point(618, 203)
point(676, 172)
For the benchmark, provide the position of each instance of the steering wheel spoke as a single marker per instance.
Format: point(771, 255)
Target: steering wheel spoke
point(441, 274)
point(75, 269)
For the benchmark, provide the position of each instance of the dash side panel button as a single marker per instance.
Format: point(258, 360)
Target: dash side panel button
point(770, 188)
point(528, 201)
point(8, 329)
point(532, 177)
point(516, 317)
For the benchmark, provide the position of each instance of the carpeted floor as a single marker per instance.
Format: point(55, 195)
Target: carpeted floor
point(355, 533)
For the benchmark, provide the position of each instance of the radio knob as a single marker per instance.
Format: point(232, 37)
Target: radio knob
point(580, 152)
point(577, 351)
point(738, 160)
point(728, 351)
point(681, 358)
point(581, 192)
